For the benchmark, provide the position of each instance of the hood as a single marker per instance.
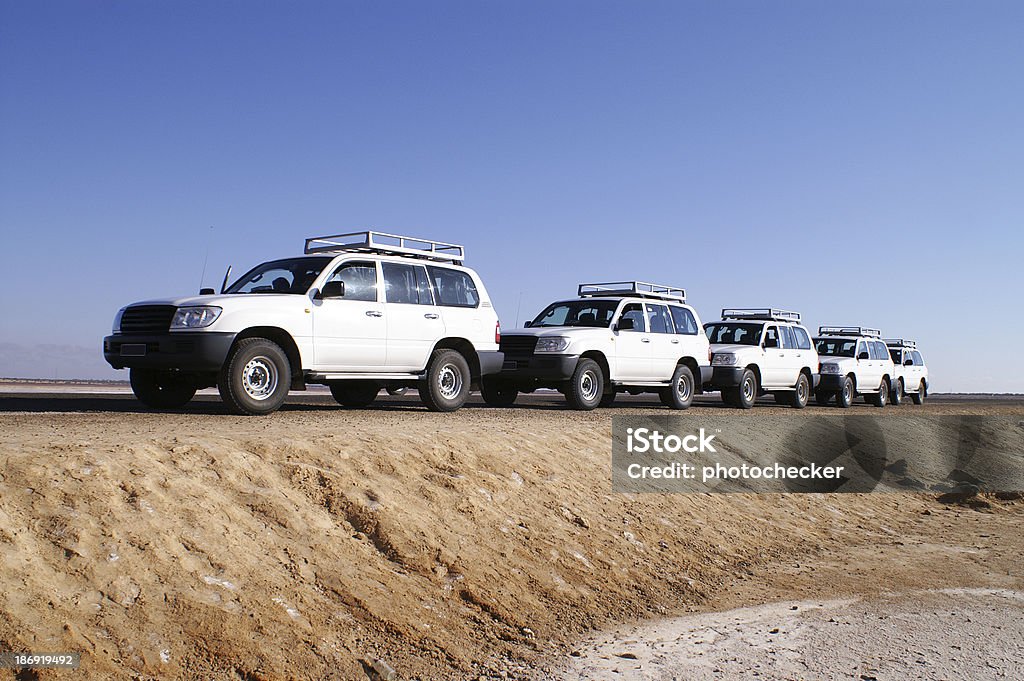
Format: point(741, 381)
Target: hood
point(218, 299)
point(738, 349)
point(566, 331)
point(831, 359)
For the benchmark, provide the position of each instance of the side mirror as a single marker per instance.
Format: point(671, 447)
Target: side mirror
point(527, 324)
point(332, 289)
point(206, 292)
point(626, 324)
point(908, 363)
point(863, 355)
point(771, 342)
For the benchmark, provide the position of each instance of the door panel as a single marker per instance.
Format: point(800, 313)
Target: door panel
point(633, 347)
point(350, 333)
point(414, 323)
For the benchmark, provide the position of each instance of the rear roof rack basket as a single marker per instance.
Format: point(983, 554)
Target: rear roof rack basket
point(387, 244)
point(638, 289)
point(849, 331)
point(901, 343)
point(768, 314)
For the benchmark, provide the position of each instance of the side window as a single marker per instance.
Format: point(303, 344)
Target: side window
point(880, 350)
point(635, 311)
point(771, 337)
point(360, 280)
point(918, 360)
point(406, 284)
point(863, 349)
point(788, 337)
point(453, 288)
point(684, 321)
point(660, 320)
point(803, 341)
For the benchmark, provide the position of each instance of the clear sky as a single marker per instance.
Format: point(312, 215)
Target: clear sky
point(860, 162)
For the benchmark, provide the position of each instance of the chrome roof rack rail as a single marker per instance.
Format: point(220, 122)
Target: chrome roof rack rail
point(770, 314)
point(387, 244)
point(638, 289)
point(849, 331)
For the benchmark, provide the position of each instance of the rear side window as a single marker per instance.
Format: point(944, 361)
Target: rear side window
point(453, 288)
point(788, 338)
point(406, 284)
point(660, 321)
point(684, 321)
point(878, 350)
point(803, 341)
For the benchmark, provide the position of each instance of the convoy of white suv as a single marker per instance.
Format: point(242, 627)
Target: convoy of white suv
point(366, 311)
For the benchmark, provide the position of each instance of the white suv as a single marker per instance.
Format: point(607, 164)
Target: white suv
point(618, 336)
point(762, 350)
point(911, 373)
point(358, 312)
point(854, 361)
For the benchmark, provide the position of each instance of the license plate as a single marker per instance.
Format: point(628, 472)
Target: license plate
point(133, 350)
point(509, 364)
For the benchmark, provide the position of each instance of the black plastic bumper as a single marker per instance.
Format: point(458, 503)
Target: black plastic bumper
point(490, 361)
point(186, 350)
point(726, 377)
point(540, 367)
point(831, 382)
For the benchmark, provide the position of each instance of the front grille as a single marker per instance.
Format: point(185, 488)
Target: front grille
point(147, 319)
point(517, 345)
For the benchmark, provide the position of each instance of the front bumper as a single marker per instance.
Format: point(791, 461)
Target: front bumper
point(539, 367)
point(831, 382)
point(726, 377)
point(185, 350)
point(490, 361)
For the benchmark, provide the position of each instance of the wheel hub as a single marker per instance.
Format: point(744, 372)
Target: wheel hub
point(449, 381)
point(588, 386)
point(259, 378)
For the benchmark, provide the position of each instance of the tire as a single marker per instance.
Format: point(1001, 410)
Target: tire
point(896, 396)
point(918, 397)
point(729, 396)
point(822, 397)
point(161, 389)
point(396, 392)
point(844, 398)
point(608, 399)
point(498, 393)
point(446, 387)
point(881, 398)
point(746, 393)
point(802, 394)
point(679, 395)
point(256, 377)
point(586, 387)
point(355, 394)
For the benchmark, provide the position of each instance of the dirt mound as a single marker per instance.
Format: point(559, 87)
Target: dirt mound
point(308, 544)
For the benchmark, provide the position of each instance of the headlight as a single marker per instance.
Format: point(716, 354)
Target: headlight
point(552, 344)
point(117, 321)
point(195, 317)
point(830, 368)
point(723, 359)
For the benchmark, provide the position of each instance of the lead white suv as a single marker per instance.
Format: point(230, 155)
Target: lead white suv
point(357, 312)
point(910, 371)
point(854, 361)
point(762, 350)
point(619, 336)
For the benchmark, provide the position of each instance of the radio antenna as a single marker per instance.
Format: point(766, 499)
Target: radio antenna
point(206, 257)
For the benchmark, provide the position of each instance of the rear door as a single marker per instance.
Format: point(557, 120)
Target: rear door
point(350, 333)
point(414, 323)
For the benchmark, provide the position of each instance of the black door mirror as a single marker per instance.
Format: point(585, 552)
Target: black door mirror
point(908, 363)
point(626, 324)
point(863, 355)
point(206, 291)
point(333, 289)
point(527, 324)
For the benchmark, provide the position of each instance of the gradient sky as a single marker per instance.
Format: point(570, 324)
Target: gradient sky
point(860, 162)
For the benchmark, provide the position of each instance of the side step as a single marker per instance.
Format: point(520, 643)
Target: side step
point(315, 377)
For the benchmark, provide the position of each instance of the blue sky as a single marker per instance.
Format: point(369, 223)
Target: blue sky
point(859, 162)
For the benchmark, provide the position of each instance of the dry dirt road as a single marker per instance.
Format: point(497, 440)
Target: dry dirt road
point(308, 544)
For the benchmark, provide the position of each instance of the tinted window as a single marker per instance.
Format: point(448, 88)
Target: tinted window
point(771, 337)
point(661, 322)
point(863, 348)
point(895, 354)
point(597, 313)
point(880, 351)
point(788, 337)
point(635, 311)
point(836, 347)
point(453, 288)
point(803, 341)
point(281, 276)
point(918, 360)
point(684, 321)
point(360, 280)
point(406, 284)
point(732, 333)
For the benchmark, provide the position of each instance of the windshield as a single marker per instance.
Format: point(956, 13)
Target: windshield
point(731, 333)
point(281, 276)
point(836, 347)
point(596, 313)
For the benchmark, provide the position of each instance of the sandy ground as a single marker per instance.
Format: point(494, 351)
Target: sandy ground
point(486, 543)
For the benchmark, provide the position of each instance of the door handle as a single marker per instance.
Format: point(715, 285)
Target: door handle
point(374, 313)
point(675, 340)
point(430, 315)
point(645, 340)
